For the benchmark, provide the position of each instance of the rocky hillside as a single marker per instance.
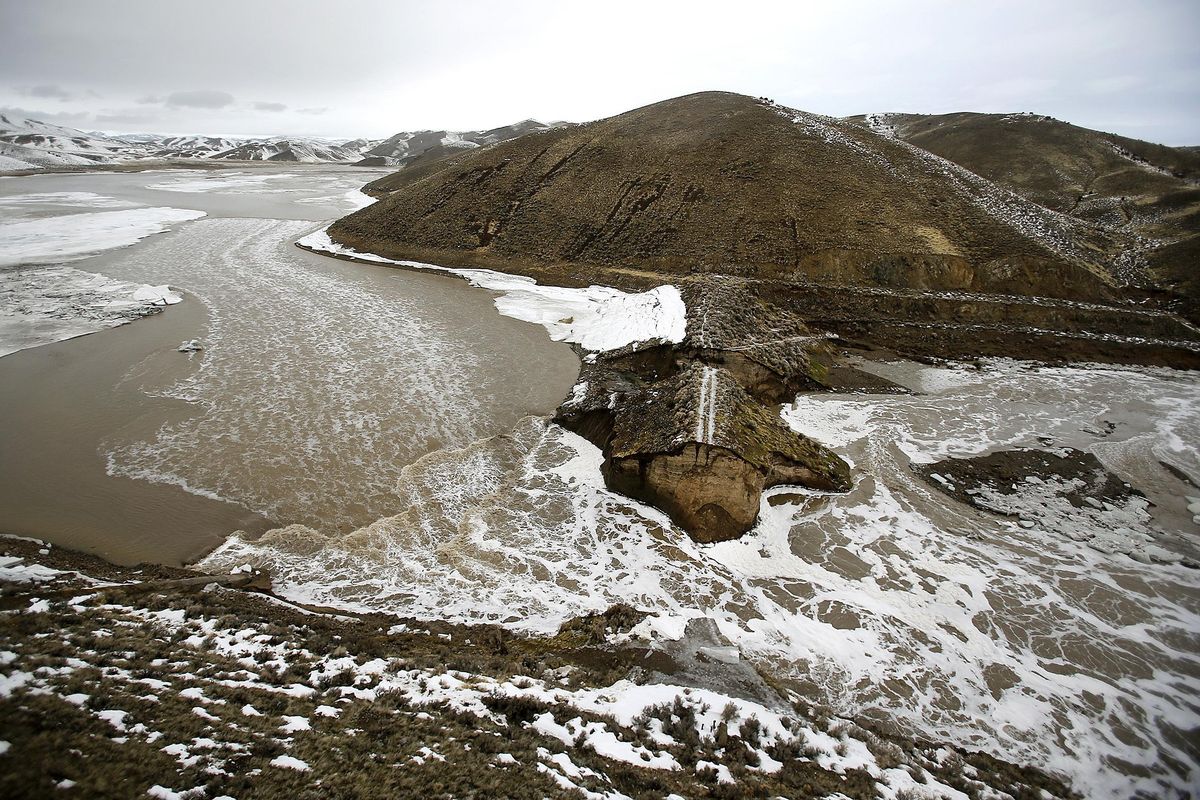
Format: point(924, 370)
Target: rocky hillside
point(1148, 190)
point(717, 182)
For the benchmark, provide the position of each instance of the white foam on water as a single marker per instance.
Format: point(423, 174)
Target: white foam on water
point(598, 318)
point(829, 419)
point(891, 600)
point(314, 387)
point(68, 237)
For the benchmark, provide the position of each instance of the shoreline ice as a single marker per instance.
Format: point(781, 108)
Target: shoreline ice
point(597, 318)
point(70, 237)
point(44, 305)
point(45, 302)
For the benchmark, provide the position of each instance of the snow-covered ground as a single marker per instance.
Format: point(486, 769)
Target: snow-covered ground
point(247, 684)
point(598, 318)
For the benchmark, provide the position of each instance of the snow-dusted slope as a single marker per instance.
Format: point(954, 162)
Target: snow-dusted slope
point(409, 145)
point(12, 124)
point(360, 146)
point(13, 156)
point(285, 149)
point(26, 143)
point(193, 146)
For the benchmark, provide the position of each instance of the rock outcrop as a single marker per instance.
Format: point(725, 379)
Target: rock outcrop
point(693, 428)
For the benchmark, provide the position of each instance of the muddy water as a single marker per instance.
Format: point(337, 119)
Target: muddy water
point(892, 601)
point(59, 401)
point(319, 380)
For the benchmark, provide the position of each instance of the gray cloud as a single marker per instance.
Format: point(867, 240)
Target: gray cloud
point(320, 110)
point(152, 99)
point(261, 106)
point(71, 119)
point(201, 98)
point(48, 90)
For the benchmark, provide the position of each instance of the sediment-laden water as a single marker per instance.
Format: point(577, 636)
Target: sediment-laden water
point(316, 381)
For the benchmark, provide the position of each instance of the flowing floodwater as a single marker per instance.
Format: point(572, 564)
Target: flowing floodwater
point(321, 379)
point(892, 601)
point(317, 382)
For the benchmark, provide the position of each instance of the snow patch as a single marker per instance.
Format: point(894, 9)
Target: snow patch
point(598, 318)
point(288, 762)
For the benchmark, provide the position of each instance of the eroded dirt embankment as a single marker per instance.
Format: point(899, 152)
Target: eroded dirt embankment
point(692, 427)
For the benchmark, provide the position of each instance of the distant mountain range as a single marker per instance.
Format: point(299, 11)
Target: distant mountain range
point(32, 144)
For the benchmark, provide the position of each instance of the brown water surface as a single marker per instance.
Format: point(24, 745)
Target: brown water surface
point(318, 382)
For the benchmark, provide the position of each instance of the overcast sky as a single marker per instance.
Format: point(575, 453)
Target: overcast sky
point(348, 69)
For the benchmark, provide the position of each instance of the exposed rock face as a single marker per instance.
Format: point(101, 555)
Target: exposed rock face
point(696, 445)
point(708, 491)
point(693, 429)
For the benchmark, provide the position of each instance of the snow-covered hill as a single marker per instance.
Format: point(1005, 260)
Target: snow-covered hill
point(31, 144)
point(407, 146)
point(288, 149)
point(28, 143)
point(193, 146)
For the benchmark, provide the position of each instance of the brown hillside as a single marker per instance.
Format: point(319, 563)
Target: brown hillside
point(718, 182)
point(768, 219)
point(1062, 166)
point(1149, 190)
